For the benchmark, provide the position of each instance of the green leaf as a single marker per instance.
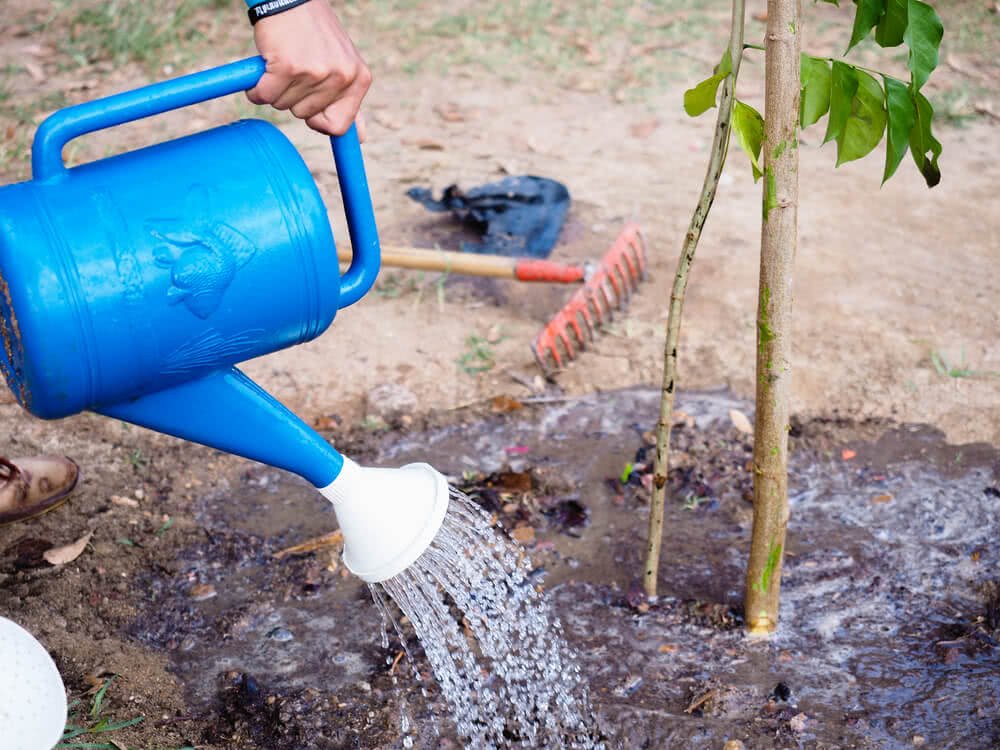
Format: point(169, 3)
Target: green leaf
point(923, 35)
point(106, 725)
point(866, 124)
point(725, 66)
point(701, 98)
point(865, 18)
point(901, 115)
point(922, 142)
point(95, 709)
point(749, 127)
point(844, 84)
point(816, 81)
point(892, 27)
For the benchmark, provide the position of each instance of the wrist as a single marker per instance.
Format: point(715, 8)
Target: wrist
point(262, 9)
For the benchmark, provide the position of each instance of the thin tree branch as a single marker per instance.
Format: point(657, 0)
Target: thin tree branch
point(717, 159)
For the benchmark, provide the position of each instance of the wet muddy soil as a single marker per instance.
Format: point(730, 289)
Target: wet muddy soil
point(889, 618)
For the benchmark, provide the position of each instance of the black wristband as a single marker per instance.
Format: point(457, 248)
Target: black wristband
point(271, 8)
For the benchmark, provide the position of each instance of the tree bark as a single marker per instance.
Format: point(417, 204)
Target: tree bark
point(779, 239)
point(717, 159)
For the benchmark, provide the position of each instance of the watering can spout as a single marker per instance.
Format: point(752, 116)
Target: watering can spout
point(229, 411)
point(389, 517)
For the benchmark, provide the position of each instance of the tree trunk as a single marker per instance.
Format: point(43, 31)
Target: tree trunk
point(720, 145)
point(779, 238)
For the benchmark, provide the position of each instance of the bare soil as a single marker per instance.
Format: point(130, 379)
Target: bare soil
point(889, 279)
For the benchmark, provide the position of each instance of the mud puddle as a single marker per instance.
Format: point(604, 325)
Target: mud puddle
point(889, 622)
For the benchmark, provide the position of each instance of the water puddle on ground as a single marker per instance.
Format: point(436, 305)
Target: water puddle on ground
point(889, 611)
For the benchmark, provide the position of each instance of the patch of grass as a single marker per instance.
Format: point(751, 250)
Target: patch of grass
point(375, 424)
point(948, 369)
point(954, 106)
point(79, 729)
point(392, 285)
point(693, 502)
point(478, 356)
point(619, 46)
point(129, 30)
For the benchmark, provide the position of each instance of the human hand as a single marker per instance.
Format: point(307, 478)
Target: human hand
point(313, 68)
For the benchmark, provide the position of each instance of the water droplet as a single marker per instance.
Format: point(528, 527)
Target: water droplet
point(281, 635)
point(503, 666)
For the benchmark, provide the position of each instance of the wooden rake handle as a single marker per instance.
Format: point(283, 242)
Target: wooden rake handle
point(473, 264)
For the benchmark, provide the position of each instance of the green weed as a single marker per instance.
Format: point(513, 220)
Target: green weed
point(92, 724)
point(948, 370)
point(478, 356)
point(693, 502)
point(127, 30)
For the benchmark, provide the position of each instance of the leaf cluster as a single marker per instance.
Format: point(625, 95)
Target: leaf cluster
point(862, 108)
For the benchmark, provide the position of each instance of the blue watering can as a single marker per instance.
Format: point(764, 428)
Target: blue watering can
point(131, 286)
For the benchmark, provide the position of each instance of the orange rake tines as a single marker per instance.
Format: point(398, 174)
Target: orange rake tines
point(608, 287)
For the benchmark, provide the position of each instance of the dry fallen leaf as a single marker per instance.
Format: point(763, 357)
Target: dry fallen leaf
point(450, 112)
point(386, 120)
point(644, 128)
point(68, 552)
point(202, 591)
point(740, 422)
point(668, 648)
point(847, 454)
point(126, 502)
point(424, 144)
point(34, 70)
point(523, 534)
point(332, 539)
point(641, 50)
point(885, 498)
point(326, 422)
point(590, 55)
point(504, 404)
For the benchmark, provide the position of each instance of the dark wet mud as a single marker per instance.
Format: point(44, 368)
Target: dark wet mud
point(890, 610)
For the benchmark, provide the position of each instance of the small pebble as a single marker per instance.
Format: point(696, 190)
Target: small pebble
point(798, 723)
point(633, 683)
point(202, 591)
point(919, 740)
point(734, 745)
point(281, 635)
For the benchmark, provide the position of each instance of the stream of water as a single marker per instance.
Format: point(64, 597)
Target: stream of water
point(495, 647)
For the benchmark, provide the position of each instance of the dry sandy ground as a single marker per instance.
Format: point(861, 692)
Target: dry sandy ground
point(884, 277)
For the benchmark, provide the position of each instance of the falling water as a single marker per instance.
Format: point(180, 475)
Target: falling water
point(494, 645)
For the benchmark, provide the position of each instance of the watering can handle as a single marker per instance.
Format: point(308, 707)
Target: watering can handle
point(63, 126)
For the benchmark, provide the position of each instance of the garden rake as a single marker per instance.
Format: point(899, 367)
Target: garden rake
point(606, 286)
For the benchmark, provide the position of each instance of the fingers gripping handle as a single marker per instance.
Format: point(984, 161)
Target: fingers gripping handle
point(66, 124)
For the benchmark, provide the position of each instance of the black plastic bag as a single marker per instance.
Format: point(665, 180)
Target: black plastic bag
point(515, 216)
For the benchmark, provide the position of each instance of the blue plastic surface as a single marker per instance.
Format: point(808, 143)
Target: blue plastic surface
point(133, 284)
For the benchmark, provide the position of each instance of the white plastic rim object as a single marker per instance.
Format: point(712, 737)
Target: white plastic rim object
point(388, 516)
point(32, 695)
